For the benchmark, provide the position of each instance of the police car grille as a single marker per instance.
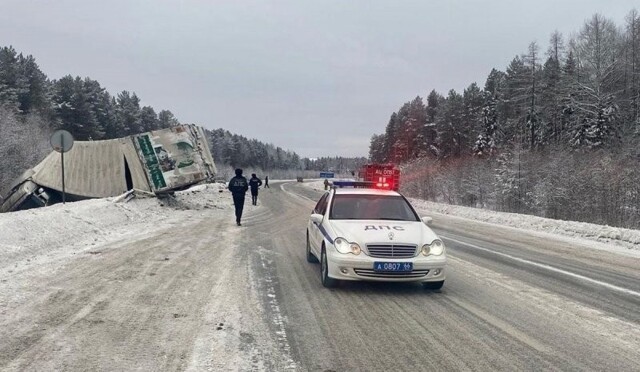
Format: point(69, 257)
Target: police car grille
point(370, 273)
point(391, 250)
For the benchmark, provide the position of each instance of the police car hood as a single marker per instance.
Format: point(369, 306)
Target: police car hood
point(383, 232)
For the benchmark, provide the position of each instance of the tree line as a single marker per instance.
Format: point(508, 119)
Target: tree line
point(338, 164)
point(80, 106)
point(32, 106)
point(550, 125)
point(238, 151)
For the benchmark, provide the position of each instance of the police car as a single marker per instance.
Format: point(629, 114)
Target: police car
point(359, 232)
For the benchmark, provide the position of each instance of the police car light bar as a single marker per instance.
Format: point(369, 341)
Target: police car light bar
point(361, 184)
point(353, 184)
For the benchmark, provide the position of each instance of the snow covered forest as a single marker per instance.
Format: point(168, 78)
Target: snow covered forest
point(238, 151)
point(556, 134)
point(32, 106)
point(338, 164)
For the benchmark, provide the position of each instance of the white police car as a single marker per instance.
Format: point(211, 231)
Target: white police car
point(363, 233)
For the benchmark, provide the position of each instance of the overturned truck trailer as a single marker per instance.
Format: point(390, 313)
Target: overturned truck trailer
point(157, 162)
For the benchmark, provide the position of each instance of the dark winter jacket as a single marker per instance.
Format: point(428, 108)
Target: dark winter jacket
point(238, 185)
point(254, 183)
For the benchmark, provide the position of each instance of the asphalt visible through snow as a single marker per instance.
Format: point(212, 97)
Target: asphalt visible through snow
point(208, 295)
point(510, 302)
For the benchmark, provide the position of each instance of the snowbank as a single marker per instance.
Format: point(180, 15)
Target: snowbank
point(65, 229)
point(626, 238)
point(604, 234)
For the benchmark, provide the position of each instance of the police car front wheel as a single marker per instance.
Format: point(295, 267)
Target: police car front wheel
point(327, 282)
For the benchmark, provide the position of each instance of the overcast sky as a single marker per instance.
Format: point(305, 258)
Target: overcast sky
point(315, 77)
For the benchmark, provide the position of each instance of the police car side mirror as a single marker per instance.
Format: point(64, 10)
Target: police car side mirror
point(427, 220)
point(316, 218)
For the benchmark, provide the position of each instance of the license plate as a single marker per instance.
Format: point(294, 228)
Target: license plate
point(392, 266)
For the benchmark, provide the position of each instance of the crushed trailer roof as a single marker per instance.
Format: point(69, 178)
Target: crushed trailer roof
point(94, 169)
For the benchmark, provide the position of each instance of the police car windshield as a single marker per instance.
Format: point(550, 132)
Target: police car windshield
point(371, 207)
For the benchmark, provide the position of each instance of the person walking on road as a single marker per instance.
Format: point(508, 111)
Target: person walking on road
point(266, 182)
point(238, 187)
point(254, 183)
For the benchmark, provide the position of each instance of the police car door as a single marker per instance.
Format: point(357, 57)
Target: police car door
point(317, 236)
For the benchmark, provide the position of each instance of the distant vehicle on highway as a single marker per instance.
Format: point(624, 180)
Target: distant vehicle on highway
point(360, 232)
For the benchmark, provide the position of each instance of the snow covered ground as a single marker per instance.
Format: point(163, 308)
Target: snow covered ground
point(612, 239)
point(60, 231)
point(162, 293)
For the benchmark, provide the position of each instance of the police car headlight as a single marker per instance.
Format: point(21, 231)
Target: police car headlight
point(344, 247)
point(436, 248)
point(426, 249)
point(355, 248)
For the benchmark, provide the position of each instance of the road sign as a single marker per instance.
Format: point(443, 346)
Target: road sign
point(327, 175)
point(61, 141)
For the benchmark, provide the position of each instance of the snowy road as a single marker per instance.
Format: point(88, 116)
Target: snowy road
point(203, 294)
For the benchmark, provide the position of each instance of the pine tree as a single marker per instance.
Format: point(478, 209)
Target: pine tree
point(486, 141)
point(550, 101)
point(434, 102)
point(568, 93)
point(390, 138)
point(597, 84)
point(633, 66)
point(113, 127)
point(166, 119)
point(376, 149)
point(551, 97)
point(451, 136)
point(95, 103)
point(128, 114)
point(509, 181)
point(148, 119)
point(74, 109)
point(472, 121)
point(417, 141)
point(515, 101)
point(403, 135)
point(9, 78)
point(533, 119)
point(35, 94)
point(495, 82)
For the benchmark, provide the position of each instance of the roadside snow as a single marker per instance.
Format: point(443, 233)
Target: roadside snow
point(612, 239)
point(37, 235)
point(40, 244)
point(601, 237)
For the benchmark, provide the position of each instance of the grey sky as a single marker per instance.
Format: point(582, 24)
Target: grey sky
point(315, 77)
